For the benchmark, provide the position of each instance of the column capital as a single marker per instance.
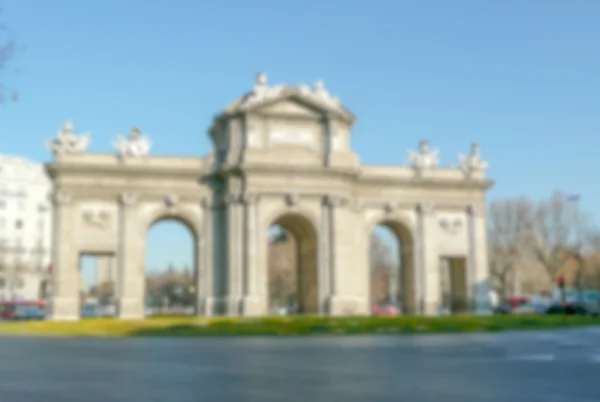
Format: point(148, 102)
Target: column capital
point(233, 197)
point(335, 201)
point(61, 197)
point(249, 198)
point(128, 199)
point(426, 208)
point(476, 209)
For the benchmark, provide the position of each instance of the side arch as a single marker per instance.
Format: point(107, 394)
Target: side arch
point(405, 232)
point(184, 214)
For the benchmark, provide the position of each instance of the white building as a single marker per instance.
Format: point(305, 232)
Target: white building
point(25, 228)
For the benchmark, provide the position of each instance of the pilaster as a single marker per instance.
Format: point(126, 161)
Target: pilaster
point(64, 301)
point(325, 258)
point(130, 286)
point(477, 259)
point(427, 273)
point(235, 249)
point(204, 261)
point(342, 292)
point(252, 304)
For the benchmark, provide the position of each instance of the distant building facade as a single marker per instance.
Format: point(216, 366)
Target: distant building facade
point(25, 228)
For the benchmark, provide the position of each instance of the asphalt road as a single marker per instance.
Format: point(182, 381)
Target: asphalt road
point(518, 367)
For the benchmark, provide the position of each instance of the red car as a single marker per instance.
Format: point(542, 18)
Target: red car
point(384, 309)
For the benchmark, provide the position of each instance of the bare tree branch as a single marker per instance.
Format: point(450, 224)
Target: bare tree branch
point(509, 225)
point(7, 53)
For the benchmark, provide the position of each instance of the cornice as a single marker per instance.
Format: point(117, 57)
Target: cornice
point(73, 169)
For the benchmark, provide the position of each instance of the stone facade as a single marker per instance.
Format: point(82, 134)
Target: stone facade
point(281, 155)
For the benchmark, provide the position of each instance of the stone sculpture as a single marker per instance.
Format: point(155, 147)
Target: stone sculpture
point(66, 142)
point(134, 145)
point(424, 159)
point(472, 162)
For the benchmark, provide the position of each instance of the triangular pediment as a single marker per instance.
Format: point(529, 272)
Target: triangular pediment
point(290, 101)
point(290, 106)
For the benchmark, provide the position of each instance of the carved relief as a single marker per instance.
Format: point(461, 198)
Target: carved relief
point(171, 200)
point(451, 225)
point(96, 218)
point(66, 142)
point(292, 199)
point(390, 207)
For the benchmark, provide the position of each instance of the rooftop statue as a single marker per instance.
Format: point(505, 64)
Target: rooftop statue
point(424, 159)
point(472, 162)
point(66, 142)
point(263, 92)
point(134, 145)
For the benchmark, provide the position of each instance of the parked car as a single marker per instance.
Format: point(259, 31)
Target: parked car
point(569, 309)
point(385, 309)
point(89, 311)
point(29, 313)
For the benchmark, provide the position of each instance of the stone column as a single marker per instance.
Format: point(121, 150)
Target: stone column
point(427, 275)
point(204, 262)
point(343, 299)
point(64, 300)
point(252, 304)
point(131, 303)
point(324, 258)
point(235, 215)
point(477, 259)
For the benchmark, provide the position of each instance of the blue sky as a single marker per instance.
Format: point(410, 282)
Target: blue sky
point(520, 77)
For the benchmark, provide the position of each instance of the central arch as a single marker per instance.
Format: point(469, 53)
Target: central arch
point(304, 249)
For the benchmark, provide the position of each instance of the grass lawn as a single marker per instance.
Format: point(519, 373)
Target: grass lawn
point(294, 325)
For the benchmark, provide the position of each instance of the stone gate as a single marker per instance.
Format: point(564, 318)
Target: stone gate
point(281, 155)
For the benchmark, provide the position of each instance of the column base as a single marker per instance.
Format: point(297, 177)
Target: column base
point(252, 306)
point(347, 305)
point(431, 309)
point(234, 306)
point(131, 309)
point(215, 306)
point(64, 309)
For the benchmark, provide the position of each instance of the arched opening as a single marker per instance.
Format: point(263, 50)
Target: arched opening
point(292, 280)
point(392, 271)
point(170, 268)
